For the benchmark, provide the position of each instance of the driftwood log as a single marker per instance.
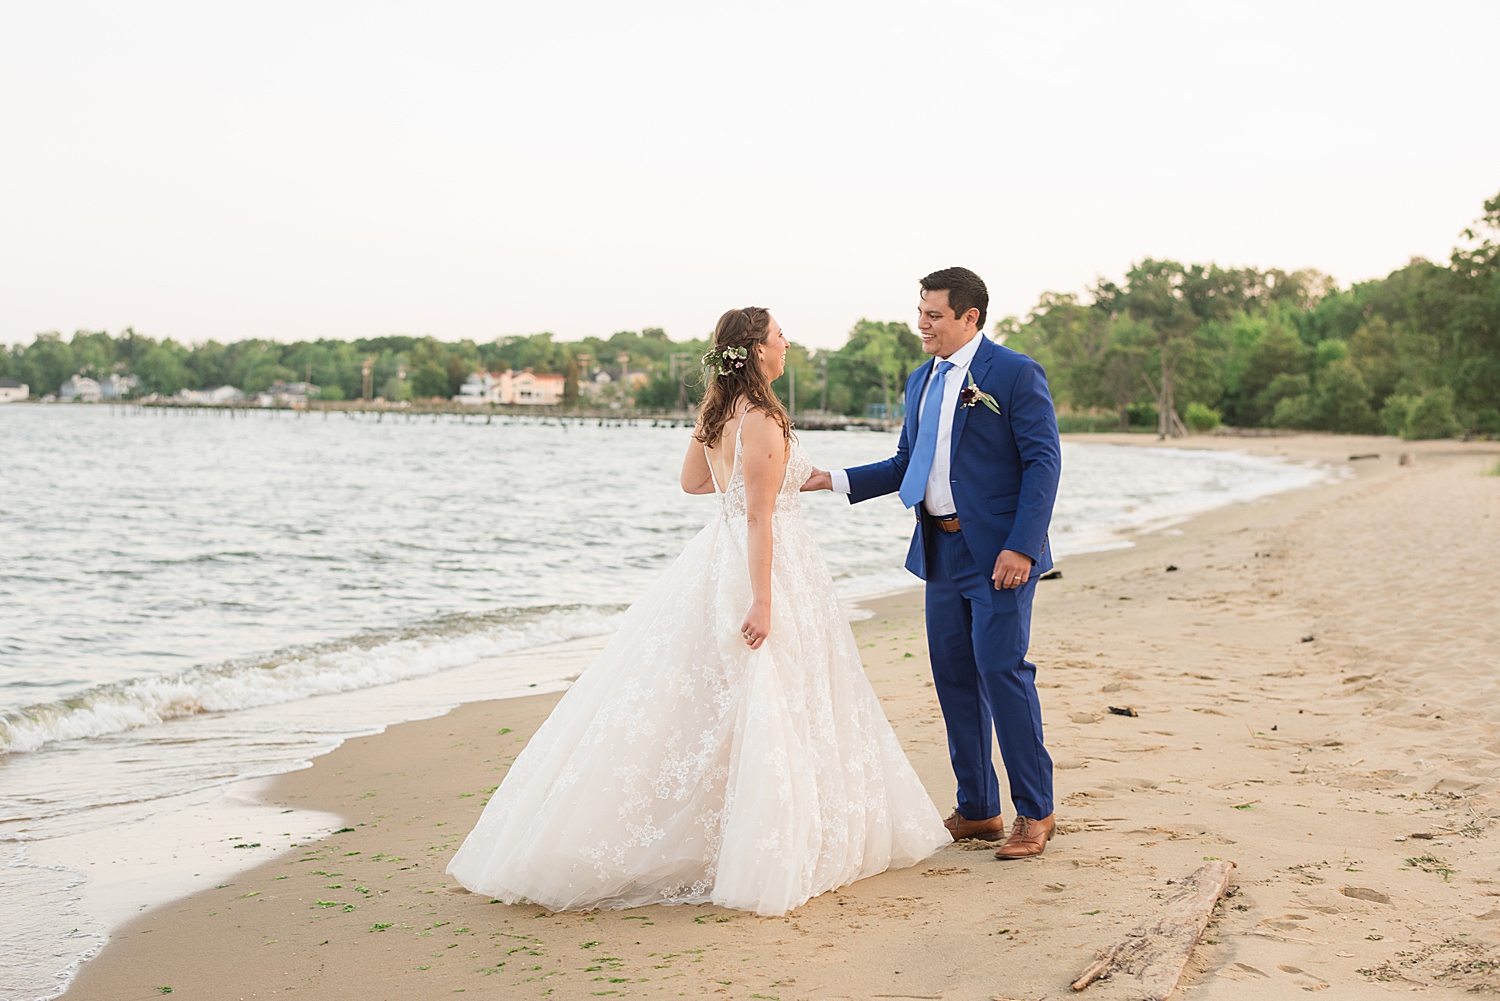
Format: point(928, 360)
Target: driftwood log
point(1155, 952)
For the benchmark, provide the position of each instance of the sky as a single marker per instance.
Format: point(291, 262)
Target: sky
point(301, 170)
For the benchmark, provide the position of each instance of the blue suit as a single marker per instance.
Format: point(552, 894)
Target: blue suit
point(1004, 469)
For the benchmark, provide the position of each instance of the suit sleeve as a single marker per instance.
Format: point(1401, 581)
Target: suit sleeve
point(879, 478)
point(1033, 425)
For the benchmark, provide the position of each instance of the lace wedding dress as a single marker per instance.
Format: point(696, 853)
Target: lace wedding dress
point(684, 767)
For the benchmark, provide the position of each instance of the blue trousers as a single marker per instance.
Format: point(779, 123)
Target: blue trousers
point(984, 682)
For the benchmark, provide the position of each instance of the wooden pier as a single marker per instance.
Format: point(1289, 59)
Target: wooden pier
point(483, 414)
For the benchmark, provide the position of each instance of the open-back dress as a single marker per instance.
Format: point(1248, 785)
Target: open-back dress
point(684, 767)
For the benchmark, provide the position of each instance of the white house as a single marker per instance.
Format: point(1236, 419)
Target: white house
point(525, 388)
point(13, 390)
point(482, 387)
point(79, 387)
point(294, 393)
point(217, 394)
point(117, 387)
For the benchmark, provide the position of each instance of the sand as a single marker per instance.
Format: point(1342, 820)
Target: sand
point(1317, 699)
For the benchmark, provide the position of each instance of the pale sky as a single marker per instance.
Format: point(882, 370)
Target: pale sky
point(296, 170)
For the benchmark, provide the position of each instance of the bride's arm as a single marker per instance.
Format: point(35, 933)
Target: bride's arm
point(764, 463)
point(696, 478)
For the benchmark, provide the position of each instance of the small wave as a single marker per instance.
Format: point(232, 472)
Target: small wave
point(361, 662)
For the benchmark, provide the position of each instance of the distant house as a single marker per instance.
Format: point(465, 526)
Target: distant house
point(283, 393)
point(13, 390)
point(625, 384)
point(117, 387)
point(525, 387)
point(79, 387)
point(537, 390)
point(217, 394)
point(483, 387)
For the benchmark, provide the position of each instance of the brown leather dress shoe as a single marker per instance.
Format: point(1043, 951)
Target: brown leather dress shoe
point(962, 828)
point(1027, 838)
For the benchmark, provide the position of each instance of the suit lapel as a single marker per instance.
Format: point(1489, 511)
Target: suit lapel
point(915, 384)
point(977, 368)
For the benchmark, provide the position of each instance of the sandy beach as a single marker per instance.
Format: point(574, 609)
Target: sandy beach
point(1316, 682)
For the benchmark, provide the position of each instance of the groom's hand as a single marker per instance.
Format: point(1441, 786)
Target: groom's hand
point(1012, 569)
point(819, 480)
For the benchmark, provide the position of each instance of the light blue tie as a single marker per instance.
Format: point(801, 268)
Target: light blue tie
point(914, 483)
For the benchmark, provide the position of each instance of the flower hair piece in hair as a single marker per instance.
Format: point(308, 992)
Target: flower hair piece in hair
point(726, 360)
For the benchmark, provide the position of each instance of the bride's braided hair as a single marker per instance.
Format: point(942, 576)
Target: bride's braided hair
point(742, 378)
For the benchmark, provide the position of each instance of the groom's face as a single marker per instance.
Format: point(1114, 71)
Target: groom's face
point(942, 332)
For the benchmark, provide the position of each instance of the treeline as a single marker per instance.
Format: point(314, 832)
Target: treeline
point(868, 371)
point(1416, 353)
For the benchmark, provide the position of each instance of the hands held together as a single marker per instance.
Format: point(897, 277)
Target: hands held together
point(1012, 569)
point(818, 480)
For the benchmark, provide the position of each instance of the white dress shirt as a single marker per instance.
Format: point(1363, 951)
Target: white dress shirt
point(939, 497)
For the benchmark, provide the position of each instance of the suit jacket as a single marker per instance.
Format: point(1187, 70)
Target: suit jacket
point(1004, 466)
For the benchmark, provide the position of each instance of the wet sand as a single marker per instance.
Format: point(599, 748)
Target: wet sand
point(1318, 679)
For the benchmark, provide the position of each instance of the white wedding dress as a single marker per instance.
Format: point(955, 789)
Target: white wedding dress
point(684, 767)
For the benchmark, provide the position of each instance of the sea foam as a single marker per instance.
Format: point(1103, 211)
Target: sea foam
point(366, 662)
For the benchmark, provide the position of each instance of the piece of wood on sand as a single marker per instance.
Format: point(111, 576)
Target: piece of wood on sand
point(1155, 952)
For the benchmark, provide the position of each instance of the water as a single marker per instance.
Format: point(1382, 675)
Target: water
point(189, 599)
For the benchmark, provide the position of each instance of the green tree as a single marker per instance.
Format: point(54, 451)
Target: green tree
point(1373, 350)
point(875, 362)
point(162, 371)
point(210, 364)
point(1155, 296)
point(93, 353)
point(1274, 352)
point(47, 364)
point(430, 381)
point(1431, 416)
point(1073, 340)
point(1343, 400)
point(1395, 412)
point(570, 382)
point(799, 362)
point(1201, 418)
point(257, 365)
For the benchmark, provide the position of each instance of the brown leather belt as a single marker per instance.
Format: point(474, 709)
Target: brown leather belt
point(948, 524)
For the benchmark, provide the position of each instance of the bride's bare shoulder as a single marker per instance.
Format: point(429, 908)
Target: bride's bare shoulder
point(762, 437)
point(757, 425)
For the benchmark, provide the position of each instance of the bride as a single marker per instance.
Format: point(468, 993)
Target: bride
point(725, 746)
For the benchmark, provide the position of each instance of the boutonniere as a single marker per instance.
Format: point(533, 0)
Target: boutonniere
point(972, 394)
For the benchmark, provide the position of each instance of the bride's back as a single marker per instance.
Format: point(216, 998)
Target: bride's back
point(722, 454)
point(781, 469)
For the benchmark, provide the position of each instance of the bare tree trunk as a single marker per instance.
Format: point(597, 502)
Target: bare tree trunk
point(1164, 397)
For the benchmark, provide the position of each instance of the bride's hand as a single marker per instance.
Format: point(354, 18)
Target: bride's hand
point(757, 624)
point(819, 480)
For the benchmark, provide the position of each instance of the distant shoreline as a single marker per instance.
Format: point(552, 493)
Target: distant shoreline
point(811, 421)
point(633, 417)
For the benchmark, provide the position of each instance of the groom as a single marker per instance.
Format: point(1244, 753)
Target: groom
point(978, 462)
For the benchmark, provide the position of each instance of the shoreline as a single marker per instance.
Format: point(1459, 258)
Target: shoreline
point(892, 633)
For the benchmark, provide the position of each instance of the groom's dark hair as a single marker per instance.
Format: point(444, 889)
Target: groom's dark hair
point(965, 290)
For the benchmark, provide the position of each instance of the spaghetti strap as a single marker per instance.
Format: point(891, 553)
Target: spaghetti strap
point(710, 460)
point(718, 489)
